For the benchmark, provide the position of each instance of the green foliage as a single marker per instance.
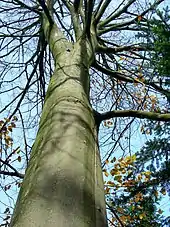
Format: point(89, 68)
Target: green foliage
point(161, 35)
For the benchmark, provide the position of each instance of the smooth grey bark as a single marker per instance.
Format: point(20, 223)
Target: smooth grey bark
point(63, 184)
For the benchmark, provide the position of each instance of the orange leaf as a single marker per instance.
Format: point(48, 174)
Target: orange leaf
point(139, 18)
point(107, 161)
point(10, 128)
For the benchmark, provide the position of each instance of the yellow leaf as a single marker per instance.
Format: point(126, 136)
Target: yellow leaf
point(148, 131)
point(106, 174)
point(133, 157)
point(141, 216)
point(123, 171)
point(133, 207)
point(139, 18)
point(122, 58)
point(110, 183)
point(139, 177)
point(147, 173)
point(107, 190)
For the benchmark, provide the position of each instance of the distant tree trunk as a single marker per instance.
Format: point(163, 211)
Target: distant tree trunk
point(63, 185)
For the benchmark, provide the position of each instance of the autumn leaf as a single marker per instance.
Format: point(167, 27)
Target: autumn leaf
point(118, 178)
point(156, 193)
point(14, 118)
point(7, 119)
point(110, 183)
point(139, 177)
point(107, 161)
point(139, 18)
point(107, 190)
point(142, 129)
point(1, 122)
point(13, 125)
point(10, 128)
point(113, 160)
point(19, 158)
point(163, 191)
point(141, 216)
point(105, 173)
point(147, 173)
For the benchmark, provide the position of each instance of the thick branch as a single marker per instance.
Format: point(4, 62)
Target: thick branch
point(135, 113)
point(113, 74)
point(101, 10)
point(115, 214)
point(76, 5)
point(46, 11)
point(113, 50)
point(88, 15)
point(14, 174)
point(24, 6)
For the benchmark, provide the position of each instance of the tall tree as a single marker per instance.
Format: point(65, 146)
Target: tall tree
point(88, 51)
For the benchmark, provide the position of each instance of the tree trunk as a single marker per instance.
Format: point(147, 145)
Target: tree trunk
point(63, 185)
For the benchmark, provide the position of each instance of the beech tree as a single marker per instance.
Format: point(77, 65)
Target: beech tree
point(84, 64)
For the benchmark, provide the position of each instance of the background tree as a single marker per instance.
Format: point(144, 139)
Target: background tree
point(142, 181)
point(96, 70)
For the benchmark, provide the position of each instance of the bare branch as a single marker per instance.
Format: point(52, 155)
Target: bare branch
point(102, 7)
point(24, 6)
point(113, 74)
point(14, 174)
point(112, 16)
point(89, 4)
point(114, 212)
point(76, 5)
point(119, 26)
point(46, 11)
point(113, 50)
